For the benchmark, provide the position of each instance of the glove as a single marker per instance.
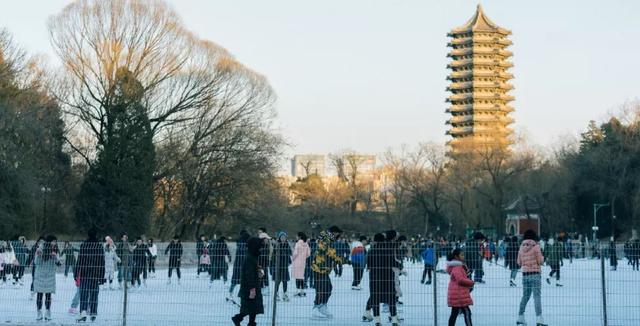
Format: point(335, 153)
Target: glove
point(252, 294)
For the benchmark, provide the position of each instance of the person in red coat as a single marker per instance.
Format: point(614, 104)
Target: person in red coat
point(460, 286)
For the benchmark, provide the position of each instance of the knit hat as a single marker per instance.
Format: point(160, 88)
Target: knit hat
point(108, 240)
point(281, 234)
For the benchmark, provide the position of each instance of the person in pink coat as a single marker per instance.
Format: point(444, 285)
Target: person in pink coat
point(298, 262)
point(460, 287)
point(530, 259)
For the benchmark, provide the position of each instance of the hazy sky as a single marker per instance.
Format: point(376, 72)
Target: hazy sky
point(367, 74)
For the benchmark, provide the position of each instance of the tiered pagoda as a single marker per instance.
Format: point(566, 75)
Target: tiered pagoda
point(479, 101)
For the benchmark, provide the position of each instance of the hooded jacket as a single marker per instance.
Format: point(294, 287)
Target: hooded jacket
point(530, 257)
point(326, 255)
point(458, 294)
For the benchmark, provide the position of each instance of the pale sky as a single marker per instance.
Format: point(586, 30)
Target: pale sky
point(370, 74)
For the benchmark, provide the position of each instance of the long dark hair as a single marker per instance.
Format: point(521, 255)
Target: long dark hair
point(455, 253)
point(48, 247)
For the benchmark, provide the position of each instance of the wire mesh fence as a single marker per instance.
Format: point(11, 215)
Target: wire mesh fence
point(191, 284)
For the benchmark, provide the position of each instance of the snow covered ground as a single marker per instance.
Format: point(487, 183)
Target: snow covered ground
point(579, 302)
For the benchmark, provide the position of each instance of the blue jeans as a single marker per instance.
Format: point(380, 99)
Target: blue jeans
point(75, 302)
point(531, 284)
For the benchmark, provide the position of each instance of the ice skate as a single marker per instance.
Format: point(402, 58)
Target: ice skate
point(558, 284)
point(47, 315)
point(395, 321)
point(40, 316)
point(316, 314)
point(367, 317)
point(540, 321)
point(377, 321)
point(325, 311)
point(235, 321)
point(228, 297)
point(285, 298)
point(512, 283)
point(521, 321)
point(82, 318)
point(548, 281)
point(428, 282)
point(93, 318)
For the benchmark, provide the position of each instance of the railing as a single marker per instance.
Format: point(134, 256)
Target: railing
point(591, 294)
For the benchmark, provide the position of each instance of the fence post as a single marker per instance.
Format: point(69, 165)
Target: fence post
point(125, 264)
point(276, 278)
point(435, 285)
point(604, 288)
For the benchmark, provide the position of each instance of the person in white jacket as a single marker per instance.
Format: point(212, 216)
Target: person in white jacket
point(111, 260)
point(7, 262)
point(153, 249)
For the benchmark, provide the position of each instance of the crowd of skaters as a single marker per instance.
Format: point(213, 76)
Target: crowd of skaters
point(310, 262)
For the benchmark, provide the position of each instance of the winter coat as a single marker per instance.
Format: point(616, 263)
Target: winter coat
point(90, 266)
point(530, 257)
point(342, 249)
point(326, 256)
point(21, 251)
point(613, 255)
point(511, 255)
point(458, 294)
point(473, 254)
point(238, 262)
point(358, 254)
point(298, 261)
point(111, 260)
point(174, 249)
point(139, 257)
point(200, 245)
point(69, 255)
point(218, 251)
point(44, 280)
point(250, 279)
point(553, 253)
point(265, 254)
point(123, 250)
point(429, 257)
point(283, 250)
point(381, 262)
point(8, 258)
point(153, 249)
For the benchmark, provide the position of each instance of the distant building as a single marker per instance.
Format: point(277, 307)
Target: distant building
point(522, 215)
point(479, 85)
point(304, 165)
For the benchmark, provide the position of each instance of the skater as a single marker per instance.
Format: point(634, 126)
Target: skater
point(200, 246)
point(429, 259)
point(530, 259)
point(111, 260)
point(460, 287)
point(44, 284)
point(309, 278)
point(634, 250)
point(123, 251)
point(153, 249)
point(323, 263)
point(381, 262)
point(511, 259)
point(69, 255)
point(90, 271)
point(220, 257)
point(174, 250)
point(8, 262)
point(138, 258)
point(204, 263)
point(241, 252)
point(31, 262)
point(263, 260)
point(250, 285)
point(397, 245)
point(75, 302)
point(301, 252)
point(473, 254)
point(358, 261)
point(21, 253)
point(613, 255)
point(553, 257)
point(342, 249)
point(281, 259)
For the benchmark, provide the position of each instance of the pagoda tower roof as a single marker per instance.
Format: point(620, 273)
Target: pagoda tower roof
point(480, 22)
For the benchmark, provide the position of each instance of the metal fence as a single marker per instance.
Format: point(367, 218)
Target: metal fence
point(589, 292)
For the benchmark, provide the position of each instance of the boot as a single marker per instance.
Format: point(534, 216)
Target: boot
point(377, 321)
point(93, 318)
point(558, 283)
point(521, 320)
point(39, 315)
point(325, 311)
point(236, 321)
point(47, 315)
point(285, 297)
point(367, 317)
point(395, 321)
point(82, 318)
point(540, 321)
point(548, 281)
point(512, 283)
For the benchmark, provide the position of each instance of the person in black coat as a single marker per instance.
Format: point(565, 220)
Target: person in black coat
point(511, 259)
point(250, 285)
point(219, 253)
point(174, 249)
point(241, 252)
point(138, 259)
point(380, 262)
point(473, 256)
point(90, 269)
point(282, 257)
point(200, 245)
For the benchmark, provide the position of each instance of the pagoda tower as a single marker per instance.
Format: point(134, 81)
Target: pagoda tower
point(479, 101)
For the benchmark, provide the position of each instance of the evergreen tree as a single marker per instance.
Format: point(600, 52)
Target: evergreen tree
point(117, 194)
